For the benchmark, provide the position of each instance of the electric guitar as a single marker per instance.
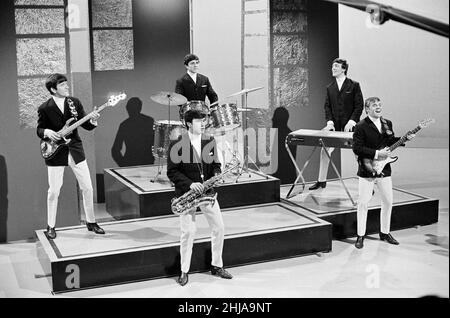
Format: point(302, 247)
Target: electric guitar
point(376, 166)
point(49, 147)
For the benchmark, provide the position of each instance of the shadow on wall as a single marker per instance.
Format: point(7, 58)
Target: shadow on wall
point(3, 200)
point(136, 134)
point(285, 169)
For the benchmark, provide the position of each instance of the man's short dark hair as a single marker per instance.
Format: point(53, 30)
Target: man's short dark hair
point(190, 57)
point(343, 63)
point(193, 114)
point(53, 80)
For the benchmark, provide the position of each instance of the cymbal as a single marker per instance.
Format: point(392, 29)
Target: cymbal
point(246, 90)
point(168, 98)
point(244, 109)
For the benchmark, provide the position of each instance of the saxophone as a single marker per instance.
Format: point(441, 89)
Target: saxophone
point(191, 200)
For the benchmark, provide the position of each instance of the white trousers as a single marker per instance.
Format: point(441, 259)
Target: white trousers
point(188, 228)
point(365, 189)
point(324, 163)
point(55, 181)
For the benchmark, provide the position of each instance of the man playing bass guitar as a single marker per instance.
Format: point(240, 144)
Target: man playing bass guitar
point(52, 116)
point(371, 140)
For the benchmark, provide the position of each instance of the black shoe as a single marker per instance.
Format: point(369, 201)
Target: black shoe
point(183, 279)
point(388, 238)
point(94, 227)
point(219, 271)
point(359, 242)
point(318, 184)
point(51, 233)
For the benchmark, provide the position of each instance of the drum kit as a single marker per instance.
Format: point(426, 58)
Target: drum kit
point(221, 119)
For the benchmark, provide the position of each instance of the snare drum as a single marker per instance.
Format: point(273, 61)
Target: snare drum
point(164, 133)
point(193, 105)
point(225, 117)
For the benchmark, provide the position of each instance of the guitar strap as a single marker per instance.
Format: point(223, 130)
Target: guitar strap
point(72, 108)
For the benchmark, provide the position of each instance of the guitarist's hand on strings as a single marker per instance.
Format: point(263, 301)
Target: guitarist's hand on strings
point(95, 115)
point(410, 136)
point(53, 135)
point(384, 153)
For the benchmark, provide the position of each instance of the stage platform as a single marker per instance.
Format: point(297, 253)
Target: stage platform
point(333, 205)
point(141, 249)
point(129, 192)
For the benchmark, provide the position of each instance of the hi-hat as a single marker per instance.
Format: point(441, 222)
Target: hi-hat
point(246, 90)
point(168, 98)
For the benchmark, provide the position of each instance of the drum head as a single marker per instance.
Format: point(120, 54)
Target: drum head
point(165, 132)
point(166, 122)
point(225, 117)
point(194, 105)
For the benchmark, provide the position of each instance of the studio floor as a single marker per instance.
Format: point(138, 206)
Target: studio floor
point(418, 267)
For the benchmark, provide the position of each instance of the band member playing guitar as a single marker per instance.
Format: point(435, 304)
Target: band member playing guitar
point(372, 138)
point(52, 117)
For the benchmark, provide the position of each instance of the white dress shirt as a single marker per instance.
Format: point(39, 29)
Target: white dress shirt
point(196, 141)
point(377, 123)
point(339, 82)
point(59, 102)
point(193, 76)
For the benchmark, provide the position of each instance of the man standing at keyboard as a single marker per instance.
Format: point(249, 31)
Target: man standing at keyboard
point(343, 107)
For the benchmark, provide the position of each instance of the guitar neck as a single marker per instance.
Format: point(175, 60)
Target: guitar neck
point(404, 138)
point(65, 131)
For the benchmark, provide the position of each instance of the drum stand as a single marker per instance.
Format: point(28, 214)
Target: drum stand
point(234, 153)
point(244, 167)
point(160, 166)
point(160, 169)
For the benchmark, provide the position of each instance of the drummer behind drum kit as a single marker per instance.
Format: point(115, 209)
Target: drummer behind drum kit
point(220, 120)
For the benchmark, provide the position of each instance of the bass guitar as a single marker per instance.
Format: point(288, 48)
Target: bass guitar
point(49, 147)
point(376, 166)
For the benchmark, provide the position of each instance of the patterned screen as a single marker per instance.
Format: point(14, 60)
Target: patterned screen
point(112, 35)
point(41, 50)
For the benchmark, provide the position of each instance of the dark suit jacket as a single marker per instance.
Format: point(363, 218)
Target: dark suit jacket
point(184, 168)
point(367, 139)
point(341, 106)
point(50, 117)
point(195, 91)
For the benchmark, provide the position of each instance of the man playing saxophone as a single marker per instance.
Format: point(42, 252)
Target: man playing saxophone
point(192, 160)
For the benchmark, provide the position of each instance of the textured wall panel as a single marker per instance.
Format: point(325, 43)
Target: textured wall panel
point(41, 56)
point(32, 93)
point(112, 13)
point(38, 21)
point(288, 5)
point(39, 2)
point(294, 21)
point(291, 87)
point(113, 50)
point(290, 49)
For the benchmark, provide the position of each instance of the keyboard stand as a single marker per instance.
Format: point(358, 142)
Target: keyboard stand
point(300, 171)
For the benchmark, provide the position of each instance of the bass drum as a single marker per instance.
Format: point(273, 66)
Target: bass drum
point(165, 132)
